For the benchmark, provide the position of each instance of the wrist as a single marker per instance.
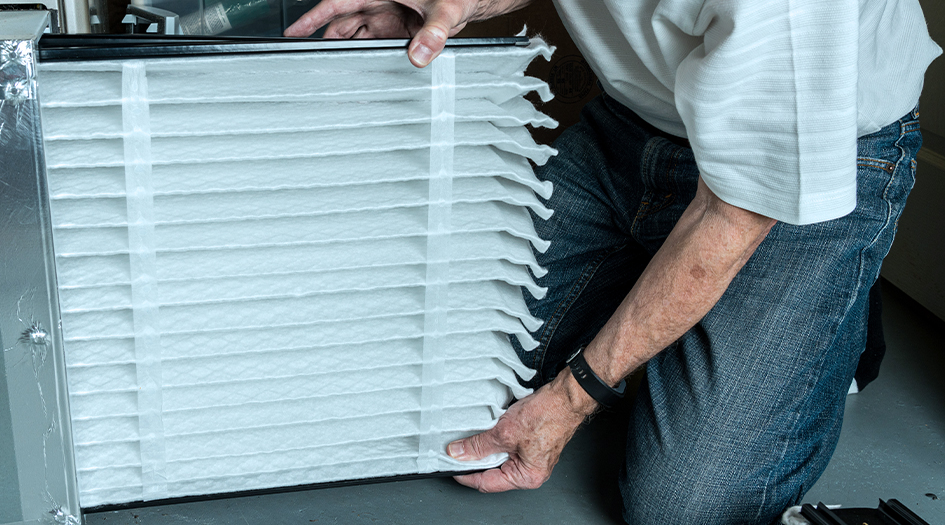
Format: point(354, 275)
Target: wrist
point(575, 399)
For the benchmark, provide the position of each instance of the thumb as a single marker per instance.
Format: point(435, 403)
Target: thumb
point(438, 24)
point(474, 447)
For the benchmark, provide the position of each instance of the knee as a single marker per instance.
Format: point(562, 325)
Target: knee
point(711, 482)
point(712, 500)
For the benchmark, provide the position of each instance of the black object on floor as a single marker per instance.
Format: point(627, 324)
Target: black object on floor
point(890, 512)
point(868, 368)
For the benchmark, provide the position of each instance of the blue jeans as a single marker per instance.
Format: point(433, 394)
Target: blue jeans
point(738, 418)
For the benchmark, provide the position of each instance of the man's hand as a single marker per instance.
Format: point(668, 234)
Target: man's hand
point(706, 249)
point(533, 432)
point(428, 23)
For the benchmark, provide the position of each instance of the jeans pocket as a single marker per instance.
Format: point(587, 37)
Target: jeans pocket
point(670, 177)
point(653, 202)
point(880, 164)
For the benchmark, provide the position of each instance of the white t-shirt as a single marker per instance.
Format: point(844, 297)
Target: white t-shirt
point(772, 94)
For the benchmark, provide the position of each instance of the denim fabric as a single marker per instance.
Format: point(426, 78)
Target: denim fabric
point(739, 417)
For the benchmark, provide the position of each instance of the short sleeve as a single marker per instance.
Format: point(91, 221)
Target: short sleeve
point(769, 104)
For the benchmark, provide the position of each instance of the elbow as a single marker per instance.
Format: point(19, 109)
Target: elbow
point(732, 216)
point(742, 230)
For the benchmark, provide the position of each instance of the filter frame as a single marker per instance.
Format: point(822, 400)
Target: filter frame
point(29, 304)
point(65, 48)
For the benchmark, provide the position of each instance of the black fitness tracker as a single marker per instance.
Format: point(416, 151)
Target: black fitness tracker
point(592, 384)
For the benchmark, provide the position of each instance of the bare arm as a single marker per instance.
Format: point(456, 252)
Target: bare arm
point(684, 280)
point(427, 23)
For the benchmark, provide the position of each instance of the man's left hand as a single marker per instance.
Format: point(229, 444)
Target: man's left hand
point(533, 432)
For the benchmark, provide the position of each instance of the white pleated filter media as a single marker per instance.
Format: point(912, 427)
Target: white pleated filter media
point(288, 269)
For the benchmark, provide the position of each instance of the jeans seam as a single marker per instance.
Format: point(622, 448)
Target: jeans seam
point(668, 174)
point(561, 310)
point(645, 207)
point(861, 254)
point(639, 213)
point(904, 129)
point(669, 177)
point(869, 162)
point(812, 382)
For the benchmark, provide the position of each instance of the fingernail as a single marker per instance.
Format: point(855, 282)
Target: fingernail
point(455, 449)
point(422, 54)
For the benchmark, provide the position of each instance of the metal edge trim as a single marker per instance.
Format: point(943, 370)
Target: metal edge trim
point(28, 288)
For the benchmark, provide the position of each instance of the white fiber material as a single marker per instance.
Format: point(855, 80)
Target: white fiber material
point(439, 219)
point(289, 269)
point(143, 269)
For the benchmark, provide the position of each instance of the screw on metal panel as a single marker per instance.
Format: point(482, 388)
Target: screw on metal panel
point(14, 53)
point(16, 58)
point(17, 91)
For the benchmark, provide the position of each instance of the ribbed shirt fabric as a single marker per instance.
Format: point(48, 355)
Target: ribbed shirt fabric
point(772, 94)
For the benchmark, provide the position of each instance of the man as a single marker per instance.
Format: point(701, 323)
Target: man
point(764, 232)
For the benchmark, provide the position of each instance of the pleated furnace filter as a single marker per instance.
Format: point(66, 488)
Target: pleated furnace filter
point(289, 269)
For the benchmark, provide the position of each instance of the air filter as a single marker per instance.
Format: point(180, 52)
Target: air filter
point(284, 269)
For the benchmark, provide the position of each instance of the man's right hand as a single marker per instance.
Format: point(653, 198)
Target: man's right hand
point(428, 23)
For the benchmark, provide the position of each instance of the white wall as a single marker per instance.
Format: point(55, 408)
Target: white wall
point(916, 263)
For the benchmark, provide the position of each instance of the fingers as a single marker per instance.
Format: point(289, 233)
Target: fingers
point(345, 27)
point(442, 19)
point(475, 447)
point(382, 21)
point(492, 480)
point(512, 475)
point(326, 11)
point(478, 447)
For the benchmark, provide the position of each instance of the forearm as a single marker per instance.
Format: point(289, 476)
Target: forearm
point(687, 276)
point(701, 256)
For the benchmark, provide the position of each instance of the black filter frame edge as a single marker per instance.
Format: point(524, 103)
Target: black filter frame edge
point(67, 48)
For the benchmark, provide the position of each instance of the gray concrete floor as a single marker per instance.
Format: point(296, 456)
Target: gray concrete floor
point(892, 446)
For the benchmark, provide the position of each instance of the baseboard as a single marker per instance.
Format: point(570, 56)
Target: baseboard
point(932, 158)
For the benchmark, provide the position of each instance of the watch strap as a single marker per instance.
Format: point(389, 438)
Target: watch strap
point(595, 387)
